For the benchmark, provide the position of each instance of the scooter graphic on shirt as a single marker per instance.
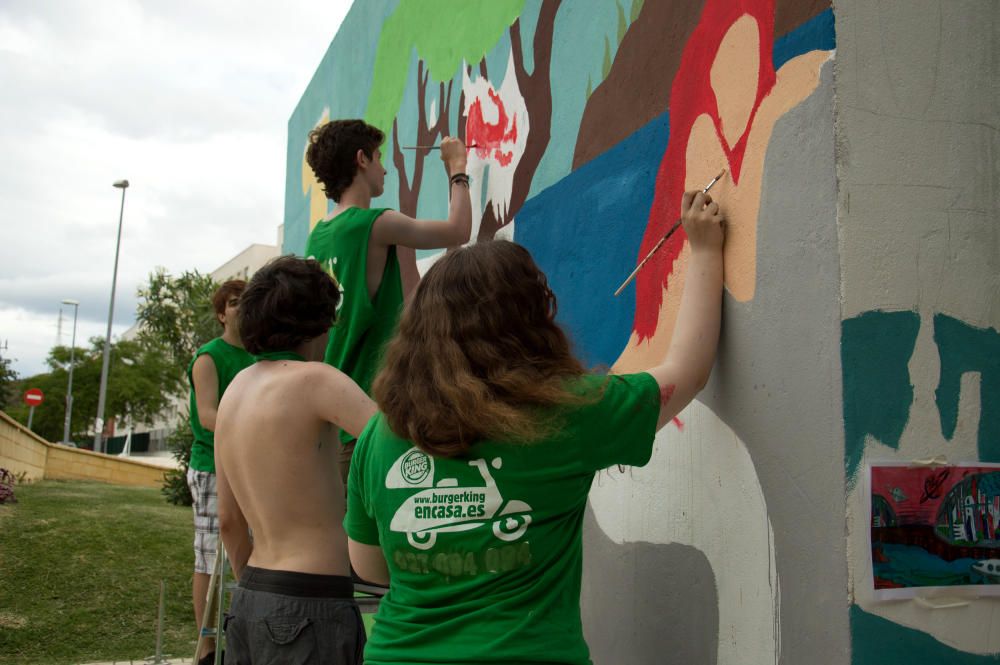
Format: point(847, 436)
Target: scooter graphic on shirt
point(446, 507)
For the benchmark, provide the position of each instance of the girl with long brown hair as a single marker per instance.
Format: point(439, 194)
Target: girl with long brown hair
point(467, 493)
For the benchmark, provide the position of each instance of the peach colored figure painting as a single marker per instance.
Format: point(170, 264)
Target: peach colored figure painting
point(725, 101)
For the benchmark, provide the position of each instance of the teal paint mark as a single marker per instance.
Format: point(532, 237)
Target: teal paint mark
point(878, 641)
point(963, 348)
point(875, 349)
point(817, 33)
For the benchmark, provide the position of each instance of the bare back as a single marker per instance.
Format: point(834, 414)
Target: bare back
point(278, 452)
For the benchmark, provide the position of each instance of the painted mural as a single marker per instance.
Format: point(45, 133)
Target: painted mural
point(586, 119)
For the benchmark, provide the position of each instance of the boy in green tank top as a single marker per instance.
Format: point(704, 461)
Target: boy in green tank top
point(371, 251)
point(211, 370)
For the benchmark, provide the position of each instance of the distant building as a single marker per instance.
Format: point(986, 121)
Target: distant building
point(241, 266)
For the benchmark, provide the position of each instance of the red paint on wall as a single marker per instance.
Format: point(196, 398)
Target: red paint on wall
point(691, 95)
point(679, 423)
point(491, 137)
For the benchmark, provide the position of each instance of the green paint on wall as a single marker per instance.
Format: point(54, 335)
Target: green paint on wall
point(606, 66)
point(962, 349)
point(878, 641)
point(621, 22)
point(875, 349)
point(444, 34)
point(636, 8)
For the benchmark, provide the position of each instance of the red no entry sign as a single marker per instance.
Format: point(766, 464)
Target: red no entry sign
point(33, 397)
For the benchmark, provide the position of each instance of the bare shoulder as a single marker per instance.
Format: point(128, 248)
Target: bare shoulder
point(327, 374)
point(242, 379)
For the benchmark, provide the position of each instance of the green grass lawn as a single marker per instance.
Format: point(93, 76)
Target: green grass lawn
point(80, 571)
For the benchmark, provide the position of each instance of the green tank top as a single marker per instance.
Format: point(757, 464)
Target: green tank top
point(364, 324)
point(229, 360)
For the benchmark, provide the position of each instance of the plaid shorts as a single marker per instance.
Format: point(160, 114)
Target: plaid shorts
point(206, 519)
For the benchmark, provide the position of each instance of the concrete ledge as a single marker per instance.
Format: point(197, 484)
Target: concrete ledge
point(23, 451)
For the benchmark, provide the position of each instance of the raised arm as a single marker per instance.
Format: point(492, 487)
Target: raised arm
point(338, 400)
point(395, 228)
point(688, 363)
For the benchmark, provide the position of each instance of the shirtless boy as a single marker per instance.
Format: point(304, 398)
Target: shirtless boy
point(276, 453)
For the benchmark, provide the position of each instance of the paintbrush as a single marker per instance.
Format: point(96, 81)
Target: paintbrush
point(432, 147)
point(669, 233)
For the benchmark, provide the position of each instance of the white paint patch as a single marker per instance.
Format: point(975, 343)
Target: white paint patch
point(501, 145)
point(423, 265)
point(701, 489)
point(432, 114)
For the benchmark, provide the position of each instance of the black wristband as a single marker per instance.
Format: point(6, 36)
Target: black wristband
point(459, 178)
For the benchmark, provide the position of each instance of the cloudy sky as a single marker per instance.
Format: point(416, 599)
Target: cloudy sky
point(187, 100)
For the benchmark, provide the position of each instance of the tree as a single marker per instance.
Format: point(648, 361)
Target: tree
point(176, 317)
point(8, 383)
point(137, 375)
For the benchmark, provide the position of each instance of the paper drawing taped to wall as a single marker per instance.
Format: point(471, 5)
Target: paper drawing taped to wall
point(935, 526)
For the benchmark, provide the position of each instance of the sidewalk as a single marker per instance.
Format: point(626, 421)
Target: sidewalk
point(147, 661)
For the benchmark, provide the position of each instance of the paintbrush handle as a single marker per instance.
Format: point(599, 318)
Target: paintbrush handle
point(669, 233)
point(432, 147)
point(648, 257)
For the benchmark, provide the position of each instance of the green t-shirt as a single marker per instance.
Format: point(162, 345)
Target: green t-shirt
point(485, 551)
point(363, 324)
point(229, 360)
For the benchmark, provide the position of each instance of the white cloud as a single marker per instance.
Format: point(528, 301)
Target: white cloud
point(188, 100)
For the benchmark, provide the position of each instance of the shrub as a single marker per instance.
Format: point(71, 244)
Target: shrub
point(7, 487)
point(175, 487)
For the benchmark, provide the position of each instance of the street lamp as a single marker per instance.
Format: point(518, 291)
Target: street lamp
point(69, 386)
point(99, 423)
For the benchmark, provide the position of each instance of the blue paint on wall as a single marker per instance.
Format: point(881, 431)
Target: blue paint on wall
point(816, 34)
point(875, 350)
point(964, 348)
point(584, 232)
point(877, 641)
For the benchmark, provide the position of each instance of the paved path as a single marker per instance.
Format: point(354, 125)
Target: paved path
point(172, 661)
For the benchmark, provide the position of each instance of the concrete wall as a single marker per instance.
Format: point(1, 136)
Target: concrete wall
point(861, 178)
point(918, 113)
point(21, 451)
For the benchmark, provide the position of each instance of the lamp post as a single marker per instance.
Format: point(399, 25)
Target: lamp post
point(99, 423)
point(69, 385)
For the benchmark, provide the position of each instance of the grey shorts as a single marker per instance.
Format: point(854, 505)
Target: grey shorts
point(296, 618)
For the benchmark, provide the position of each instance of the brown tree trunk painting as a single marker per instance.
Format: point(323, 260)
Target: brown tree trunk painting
point(536, 88)
point(409, 189)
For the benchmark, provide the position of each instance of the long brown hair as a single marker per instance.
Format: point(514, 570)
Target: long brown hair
point(478, 354)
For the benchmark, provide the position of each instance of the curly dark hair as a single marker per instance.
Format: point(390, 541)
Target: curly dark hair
point(478, 354)
point(287, 302)
point(332, 148)
point(228, 289)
